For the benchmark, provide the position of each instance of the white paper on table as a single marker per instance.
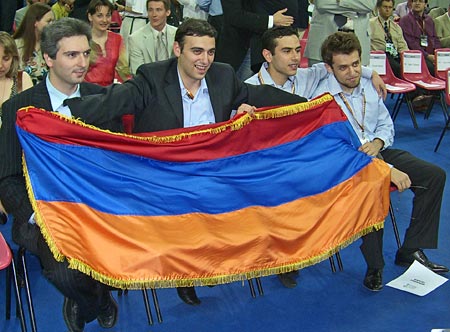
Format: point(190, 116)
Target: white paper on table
point(412, 63)
point(417, 280)
point(428, 85)
point(394, 88)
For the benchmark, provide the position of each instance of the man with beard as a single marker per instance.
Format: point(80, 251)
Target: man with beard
point(373, 125)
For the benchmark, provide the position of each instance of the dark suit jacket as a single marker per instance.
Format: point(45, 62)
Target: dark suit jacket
point(13, 192)
point(154, 97)
point(240, 22)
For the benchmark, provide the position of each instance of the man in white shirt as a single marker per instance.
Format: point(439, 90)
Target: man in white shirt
point(154, 41)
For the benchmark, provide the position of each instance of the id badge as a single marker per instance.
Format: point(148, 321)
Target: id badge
point(424, 41)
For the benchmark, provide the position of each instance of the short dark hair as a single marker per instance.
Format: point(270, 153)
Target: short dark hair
point(94, 4)
point(339, 43)
point(196, 28)
point(165, 2)
point(379, 2)
point(270, 36)
point(62, 28)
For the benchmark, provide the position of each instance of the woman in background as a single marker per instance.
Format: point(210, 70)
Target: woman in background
point(108, 59)
point(12, 81)
point(28, 40)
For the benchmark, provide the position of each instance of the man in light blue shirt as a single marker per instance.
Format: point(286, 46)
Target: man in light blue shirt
point(281, 50)
point(372, 123)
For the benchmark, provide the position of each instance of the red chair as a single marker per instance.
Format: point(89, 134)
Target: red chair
point(7, 262)
point(394, 85)
point(415, 70)
point(447, 100)
point(303, 60)
point(442, 56)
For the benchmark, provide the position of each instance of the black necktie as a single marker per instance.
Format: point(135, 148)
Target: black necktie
point(388, 34)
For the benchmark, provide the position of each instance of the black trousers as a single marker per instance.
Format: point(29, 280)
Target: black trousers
point(89, 294)
point(427, 184)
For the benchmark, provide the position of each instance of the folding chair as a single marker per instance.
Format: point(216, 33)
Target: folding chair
point(442, 56)
point(7, 262)
point(394, 85)
point(447, 100)
point(415, 70)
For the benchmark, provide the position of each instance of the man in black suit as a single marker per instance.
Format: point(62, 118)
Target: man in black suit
point(65, 47)
point(241, 22)
point(184, 91)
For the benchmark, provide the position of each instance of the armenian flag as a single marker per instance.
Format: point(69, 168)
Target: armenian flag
point(257, 195)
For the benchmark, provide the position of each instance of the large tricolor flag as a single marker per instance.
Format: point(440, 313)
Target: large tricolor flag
point(254, 196)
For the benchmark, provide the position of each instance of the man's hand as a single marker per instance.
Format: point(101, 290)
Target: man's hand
point(246, 108)
point(400, 179)
point(379, 85)
point(372, 148)
point(279, 19)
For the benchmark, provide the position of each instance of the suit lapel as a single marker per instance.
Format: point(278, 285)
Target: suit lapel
point(41, 98)
point(173, 91)
point(149, 42)
point(215, 96)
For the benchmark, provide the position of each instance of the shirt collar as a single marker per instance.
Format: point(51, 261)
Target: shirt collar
point(184, 92)
point(335, 88)
point(267, 79)
point(156, 32)
point(57, 97)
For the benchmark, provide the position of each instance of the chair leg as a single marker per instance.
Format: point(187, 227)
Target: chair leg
point(442, 135)
point(394, 225)
point(18, 298)
point(252, 288)
point(22, 254)
point(8, 283)
point(339, 261)
point(156, 304)
point(412, 114)
point(259, 286)
point(147, 307)
point(332, 265)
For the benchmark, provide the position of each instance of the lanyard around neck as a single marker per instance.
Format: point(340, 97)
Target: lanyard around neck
point(261, 81)
point(347, 104)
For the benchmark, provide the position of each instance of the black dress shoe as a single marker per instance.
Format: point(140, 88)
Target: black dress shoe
point(374, 279)
point(71, 314)
point(287, 279)
point(187, 294)
point(107, 317)
point(403, 259)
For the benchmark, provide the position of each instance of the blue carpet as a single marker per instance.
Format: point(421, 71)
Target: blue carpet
point(323, 301)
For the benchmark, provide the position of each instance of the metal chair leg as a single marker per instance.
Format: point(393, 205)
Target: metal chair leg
point(332, 265)
point(8, 283)
point(447, 125)
point(22, 256)
point(18, 298)
point(259, 286)
point(147, 307)
point(252, 288)
point(156, 304)
point(394, 225)
point(339, 261)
